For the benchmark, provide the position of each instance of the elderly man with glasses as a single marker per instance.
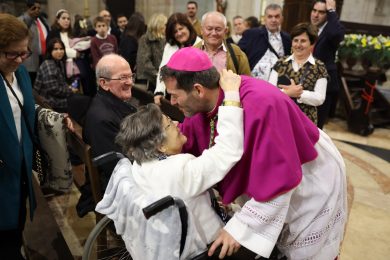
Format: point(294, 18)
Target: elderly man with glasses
point(108, 108)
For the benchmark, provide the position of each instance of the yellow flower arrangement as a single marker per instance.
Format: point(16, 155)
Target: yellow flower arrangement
point(375, 49)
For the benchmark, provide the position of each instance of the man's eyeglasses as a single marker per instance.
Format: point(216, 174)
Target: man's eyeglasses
point(123, 78)
point(14, 55)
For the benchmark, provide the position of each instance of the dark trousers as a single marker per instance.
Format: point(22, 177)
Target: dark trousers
point(11, 240)
point(10, 243)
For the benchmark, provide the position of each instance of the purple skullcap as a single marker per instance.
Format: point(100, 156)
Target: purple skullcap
point(189, 59)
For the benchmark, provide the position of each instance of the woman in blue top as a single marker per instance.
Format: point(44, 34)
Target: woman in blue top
point(16, 145)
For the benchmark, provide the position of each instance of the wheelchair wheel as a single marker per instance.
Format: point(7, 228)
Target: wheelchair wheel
point(104, 243)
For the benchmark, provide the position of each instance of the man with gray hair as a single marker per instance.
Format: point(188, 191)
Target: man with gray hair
point(265, 45)
point(223, 55)
point(108, 108)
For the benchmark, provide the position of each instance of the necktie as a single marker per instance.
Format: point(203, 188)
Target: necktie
point(42, 38)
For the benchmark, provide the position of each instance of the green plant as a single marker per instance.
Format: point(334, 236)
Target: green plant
point(351, 46)
point(360, 46)
point(378, 50)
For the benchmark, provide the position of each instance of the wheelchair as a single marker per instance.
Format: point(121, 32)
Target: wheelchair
point(104, 243)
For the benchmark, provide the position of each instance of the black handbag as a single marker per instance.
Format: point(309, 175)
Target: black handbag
point(40, 162)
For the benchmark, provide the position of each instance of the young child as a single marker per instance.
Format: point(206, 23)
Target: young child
point(102, 43)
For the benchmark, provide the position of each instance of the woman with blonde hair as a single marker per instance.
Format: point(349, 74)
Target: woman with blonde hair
point(150, 50)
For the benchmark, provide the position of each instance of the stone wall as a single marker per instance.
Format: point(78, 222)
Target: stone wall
point(367, 12)
point(360, 11)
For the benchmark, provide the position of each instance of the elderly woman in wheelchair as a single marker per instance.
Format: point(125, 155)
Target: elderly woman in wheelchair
point(154, 142)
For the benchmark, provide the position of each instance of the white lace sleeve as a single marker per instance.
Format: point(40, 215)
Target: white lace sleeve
point(258, 225)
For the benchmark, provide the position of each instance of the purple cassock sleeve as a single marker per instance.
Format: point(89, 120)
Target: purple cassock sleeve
point(278, 139)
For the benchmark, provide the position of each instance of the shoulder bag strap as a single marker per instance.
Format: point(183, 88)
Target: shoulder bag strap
point(233, 55)
point(271, 48)
point(29, 129)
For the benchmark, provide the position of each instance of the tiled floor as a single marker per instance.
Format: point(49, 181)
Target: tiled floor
point(368, 231)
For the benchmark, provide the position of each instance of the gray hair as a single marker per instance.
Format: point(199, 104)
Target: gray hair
point(237, 17)
point(142, 133)
point(216, 13)
point(272, 7)
point(104, 66)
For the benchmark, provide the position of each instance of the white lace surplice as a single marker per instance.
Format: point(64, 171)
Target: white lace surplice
point(309, 219)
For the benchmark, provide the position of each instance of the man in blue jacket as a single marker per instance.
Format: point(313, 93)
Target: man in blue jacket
point(264, 46)
point(330, 34)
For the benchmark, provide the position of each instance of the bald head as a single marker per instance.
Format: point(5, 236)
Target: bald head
point(214, 16)
point(114, 75)
point(213, 29)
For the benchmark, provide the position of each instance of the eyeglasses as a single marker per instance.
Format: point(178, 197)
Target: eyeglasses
point(123, 78)
point(14, 55)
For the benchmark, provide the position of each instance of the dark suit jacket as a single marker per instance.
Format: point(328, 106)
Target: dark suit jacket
point(327, 44)
point(102, 124)
point(254, 44)
point(15, 156)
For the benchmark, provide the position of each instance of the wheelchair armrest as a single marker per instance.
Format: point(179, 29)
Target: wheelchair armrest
point(158, 206)
point(106, 158)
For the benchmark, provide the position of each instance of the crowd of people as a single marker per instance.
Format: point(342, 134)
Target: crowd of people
point(254, 102)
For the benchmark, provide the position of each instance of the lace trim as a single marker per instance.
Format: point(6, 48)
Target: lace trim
point(277, 220)
point(322, 213)
point(316, 236)
point(277, 204)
